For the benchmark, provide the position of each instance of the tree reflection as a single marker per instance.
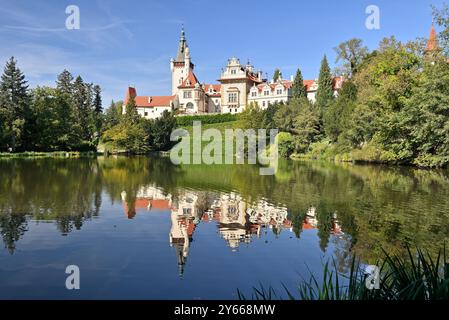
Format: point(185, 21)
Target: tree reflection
point(370, 207)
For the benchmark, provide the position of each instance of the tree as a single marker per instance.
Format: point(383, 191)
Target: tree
point(306, 126)
point(441, 16)
point(65, 83)
point(277, 74)
point(298, 88)
point(336, 116)
point(161, 130)
point(98, 108)
point(112, 115)
point(285, 115)
point(325, 92)
point(425, 119)
point(15, 107)
point(84, 119)
point(352, 53)
point(268, 116)
point(251, 117)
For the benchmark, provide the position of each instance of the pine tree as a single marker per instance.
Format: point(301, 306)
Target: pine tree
point(98, 108)
point(15, 106)
point(131, 117)
point(298, 89)
point(325, 92)
point(83, 124)
point(277, 74)
point(65, 83)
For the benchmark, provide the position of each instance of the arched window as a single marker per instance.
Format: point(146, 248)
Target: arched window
point(189, 105)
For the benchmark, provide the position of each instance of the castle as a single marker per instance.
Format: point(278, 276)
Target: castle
point(239, 85)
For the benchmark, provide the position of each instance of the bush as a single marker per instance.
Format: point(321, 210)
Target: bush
point(286, 144)
point(186, 121)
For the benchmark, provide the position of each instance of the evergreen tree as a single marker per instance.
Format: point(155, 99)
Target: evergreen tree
point(15, 107)
point(338, 113)
point(277, 74)
point(69, 138)
point(83, 122)
point(325, 92)
point(112, 115)
point(131, 115)
point(65, 83)
point(298, 89)
point(98, 108)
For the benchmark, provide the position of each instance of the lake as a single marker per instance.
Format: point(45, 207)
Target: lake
point(143, 228)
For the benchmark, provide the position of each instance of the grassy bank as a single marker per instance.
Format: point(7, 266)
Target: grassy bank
point(369, 153)
point(55, 154)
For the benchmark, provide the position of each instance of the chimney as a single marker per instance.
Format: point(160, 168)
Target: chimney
point(292, 78)
point(149, 99)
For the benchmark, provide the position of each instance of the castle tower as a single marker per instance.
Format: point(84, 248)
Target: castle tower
point(180, 66)
point(432, 42)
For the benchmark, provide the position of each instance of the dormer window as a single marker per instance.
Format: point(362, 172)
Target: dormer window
point(233, 71)
point(188, 82)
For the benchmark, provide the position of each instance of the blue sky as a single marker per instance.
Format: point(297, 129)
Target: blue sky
point(123, 43)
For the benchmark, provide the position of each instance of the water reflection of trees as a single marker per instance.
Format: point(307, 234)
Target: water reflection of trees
point(378, 207)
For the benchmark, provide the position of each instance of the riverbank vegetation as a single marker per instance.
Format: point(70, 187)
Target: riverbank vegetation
point(418, 276)
point(393, 107)
point(67, 117)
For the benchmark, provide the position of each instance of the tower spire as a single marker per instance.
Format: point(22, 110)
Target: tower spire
point(182, 46)
point(432, 42)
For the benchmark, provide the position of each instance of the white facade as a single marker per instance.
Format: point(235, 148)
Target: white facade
point(270, 93)
point(236, 81)
point(240, 85)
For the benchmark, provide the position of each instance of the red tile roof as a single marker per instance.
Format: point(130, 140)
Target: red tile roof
point(216, 90)
point(148, 101)
point(336, 83)
point(308, 84)
point(192, 79)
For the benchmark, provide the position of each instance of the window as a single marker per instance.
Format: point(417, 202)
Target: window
point(189, 105)
point(266, 93)
point(254, 94)
point(263, 103)
point(236, 110)
point(146, 113)
point(279, 91)
point(233, 71)
point(187, 94)
point(232, 97)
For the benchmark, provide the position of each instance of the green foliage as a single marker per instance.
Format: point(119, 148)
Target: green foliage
point(14, 109)
point(417, 277)
point(277, 74)
point(298, 88)
point(64, 118)
point(286, 144)
point(306, 125)
point(325, 92)
point(161, 130)
point(352, 53)
point(251, 118)
point(112, 115)
point(186, 121)
point(338, 113)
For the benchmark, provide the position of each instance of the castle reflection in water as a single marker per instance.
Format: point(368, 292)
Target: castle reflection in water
point(238, 221)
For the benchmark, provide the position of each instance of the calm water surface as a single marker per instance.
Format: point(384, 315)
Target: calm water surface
point(141, 228)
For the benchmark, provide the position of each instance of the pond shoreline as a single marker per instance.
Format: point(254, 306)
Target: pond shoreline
point(293, 157)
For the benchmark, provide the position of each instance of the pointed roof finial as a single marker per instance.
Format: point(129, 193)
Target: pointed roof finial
point(183, 34)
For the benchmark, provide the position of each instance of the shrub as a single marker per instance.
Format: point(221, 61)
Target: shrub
point(186, 121)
